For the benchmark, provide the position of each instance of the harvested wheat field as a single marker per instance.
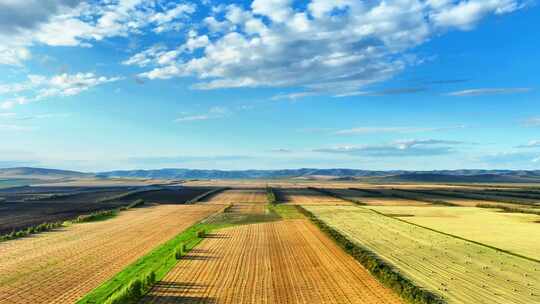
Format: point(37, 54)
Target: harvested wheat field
point(237, 196)
point(304, 196)
point(62, 266)
point(278, 262)
point(458, 270)
point(509, 231)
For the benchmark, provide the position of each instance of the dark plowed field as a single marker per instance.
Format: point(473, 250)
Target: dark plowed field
point(25, 207)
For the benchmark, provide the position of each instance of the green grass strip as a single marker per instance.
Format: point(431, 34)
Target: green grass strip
point(147, 270)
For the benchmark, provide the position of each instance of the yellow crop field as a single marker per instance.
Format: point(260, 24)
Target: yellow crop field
point(460, 271)
point(509, 231)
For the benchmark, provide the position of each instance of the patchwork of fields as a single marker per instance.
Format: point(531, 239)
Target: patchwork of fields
point(261, 253)
point(460, 271)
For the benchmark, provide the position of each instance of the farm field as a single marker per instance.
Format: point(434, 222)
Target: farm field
point(253, 195)
point(62, 266)
point(301, 196)
point(29, 206)
point(460, 271)
point(374, 200)
point(508, 231)
point(279, 262)
point(482, 196)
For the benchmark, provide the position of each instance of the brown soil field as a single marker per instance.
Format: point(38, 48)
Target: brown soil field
point(238, 196)
point(304, 196)
point(16, 213)
point(62, 266)
point(277, 262)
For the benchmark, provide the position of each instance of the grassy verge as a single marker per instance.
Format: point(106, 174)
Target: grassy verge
point(333, 194)
point(133, 282)
point(287, 212)
point(270, 195)
point(380, 269)
point(92, 217)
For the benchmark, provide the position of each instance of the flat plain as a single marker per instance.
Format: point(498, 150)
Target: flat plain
point(460, 271)
point(62, 266)
point(279, 262)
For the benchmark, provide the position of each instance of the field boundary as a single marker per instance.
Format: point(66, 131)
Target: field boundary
point(205, 195)
point(134, 281)
point(332, 194)
point(381, 270)
point(459, 237)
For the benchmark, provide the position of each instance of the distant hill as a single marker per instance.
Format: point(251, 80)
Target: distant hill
point(40, 173)
point(512, 177)
point(439, 176)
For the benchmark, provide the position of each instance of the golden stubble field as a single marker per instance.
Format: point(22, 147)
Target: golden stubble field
point(279, 262)
point(515, 232)
point(62, 266)
point(237, 196)
point(461, 271)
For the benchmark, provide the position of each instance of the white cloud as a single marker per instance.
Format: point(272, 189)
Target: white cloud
point(490, 91)
point(39, 87)
point(465, 14)
point(404, 148)
point(338, 46)
point(79, 23)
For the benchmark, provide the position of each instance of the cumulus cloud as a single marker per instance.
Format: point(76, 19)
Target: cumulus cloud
point(38, 87)
point(80, 23)
point(337, 46)
point(405, 148)
point(491, 91)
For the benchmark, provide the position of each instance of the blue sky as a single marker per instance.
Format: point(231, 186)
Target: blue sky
point(396, 84)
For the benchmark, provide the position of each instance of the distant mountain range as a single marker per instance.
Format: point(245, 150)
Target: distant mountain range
point(40, 173)
point(441, 176)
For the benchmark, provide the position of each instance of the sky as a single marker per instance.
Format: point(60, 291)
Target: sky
point(270, 84)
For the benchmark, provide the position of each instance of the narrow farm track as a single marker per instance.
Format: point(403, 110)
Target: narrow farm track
point(62, 266)
point(278, 262)
point(237, 196)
